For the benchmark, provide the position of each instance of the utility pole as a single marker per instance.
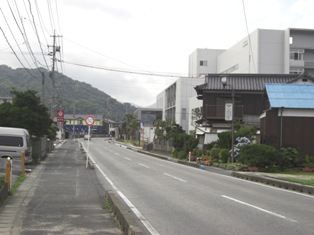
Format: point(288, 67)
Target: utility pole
point(43, 88)
point(54, 50)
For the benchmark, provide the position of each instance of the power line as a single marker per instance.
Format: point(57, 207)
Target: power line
point(30, 9)
point(249, 38)
point(14, 37)
point(15, 53)
point(123, 70)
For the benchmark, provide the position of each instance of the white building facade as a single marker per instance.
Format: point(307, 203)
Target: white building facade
point(174, 101)
point(263, 51)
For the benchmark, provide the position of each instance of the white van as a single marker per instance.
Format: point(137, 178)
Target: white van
point(13, 141)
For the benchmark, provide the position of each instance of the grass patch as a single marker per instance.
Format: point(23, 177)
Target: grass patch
point(301, 181)
point(17, 183)
point(305, 178)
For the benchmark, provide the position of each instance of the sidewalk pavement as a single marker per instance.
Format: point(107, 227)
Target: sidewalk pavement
point(60, 196)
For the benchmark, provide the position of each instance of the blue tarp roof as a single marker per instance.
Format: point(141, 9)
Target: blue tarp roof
point(298, 96)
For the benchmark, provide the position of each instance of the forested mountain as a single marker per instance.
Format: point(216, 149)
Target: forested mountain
point(74, 96)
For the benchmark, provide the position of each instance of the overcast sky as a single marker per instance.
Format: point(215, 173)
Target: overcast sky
point(144, 36)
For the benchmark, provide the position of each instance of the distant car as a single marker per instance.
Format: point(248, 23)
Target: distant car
point(87, 137)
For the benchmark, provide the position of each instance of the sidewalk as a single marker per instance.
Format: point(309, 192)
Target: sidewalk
point(60, 196)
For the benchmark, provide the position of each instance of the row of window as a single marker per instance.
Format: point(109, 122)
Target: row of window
point(297, 54)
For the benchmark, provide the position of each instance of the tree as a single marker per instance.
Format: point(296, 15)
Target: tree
point(196, 115)
point(131, 124)
point(27, 112)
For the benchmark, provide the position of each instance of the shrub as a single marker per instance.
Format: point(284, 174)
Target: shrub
point(224, 140)
point(224, 156)
point(214, 153)
point(181, 155)
point(246, 131)
point(258, 155)
point(307, 161)
point(289, 158)
point(197, 152)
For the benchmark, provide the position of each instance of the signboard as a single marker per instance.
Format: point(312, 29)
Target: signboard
point(89, 120)
point(60, 125)
point(228, 111)
point(60, 113)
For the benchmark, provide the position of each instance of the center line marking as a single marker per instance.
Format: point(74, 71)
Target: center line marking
point(175, 177)
point(127, 158)
point(259, 208)
point(143, 165)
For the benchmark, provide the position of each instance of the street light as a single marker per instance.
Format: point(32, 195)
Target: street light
point(224, 84)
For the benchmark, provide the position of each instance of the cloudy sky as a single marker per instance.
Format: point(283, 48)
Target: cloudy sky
point(118, 46)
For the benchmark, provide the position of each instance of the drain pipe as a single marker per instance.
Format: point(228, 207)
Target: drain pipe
point(281, 111)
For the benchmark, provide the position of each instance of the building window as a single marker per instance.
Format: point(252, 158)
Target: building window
point(296, 54)
point(203, 63)
point(183, 114)
point(294, 70)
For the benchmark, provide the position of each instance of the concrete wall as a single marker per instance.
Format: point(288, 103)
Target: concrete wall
point(266, 54)
point(208, 55)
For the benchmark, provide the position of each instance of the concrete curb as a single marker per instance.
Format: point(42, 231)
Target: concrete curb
point(130, 224)
point(247, 176)
point(275, 182)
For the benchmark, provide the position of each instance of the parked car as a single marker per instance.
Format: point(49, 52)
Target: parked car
point(15, 140)
point(87, 137)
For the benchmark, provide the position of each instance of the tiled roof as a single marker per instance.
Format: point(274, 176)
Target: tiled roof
point(291, 95)
point(247, 82)
point(82, 116)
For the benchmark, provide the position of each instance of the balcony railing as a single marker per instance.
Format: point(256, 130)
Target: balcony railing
point(218, 112)
point(309, 65)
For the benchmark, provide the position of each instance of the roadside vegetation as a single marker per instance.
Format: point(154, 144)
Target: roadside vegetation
point(27, 112)
point(17, 184)
point(248, 155)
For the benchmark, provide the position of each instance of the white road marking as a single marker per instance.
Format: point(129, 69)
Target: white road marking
point(174, 177)
point(144, 221)
point(117, 154)
point(143, 165)
point(127, 158)
point(259, 208)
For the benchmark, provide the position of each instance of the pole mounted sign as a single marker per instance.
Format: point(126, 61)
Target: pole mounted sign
point(60, 113)
point(60, 118)
point(228, 111)
point(89, 120)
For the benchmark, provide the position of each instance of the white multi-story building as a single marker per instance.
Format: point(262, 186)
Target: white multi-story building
point(174, 101)
point(263, 51)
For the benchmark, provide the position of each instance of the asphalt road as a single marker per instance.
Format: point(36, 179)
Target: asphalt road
point(175, 199)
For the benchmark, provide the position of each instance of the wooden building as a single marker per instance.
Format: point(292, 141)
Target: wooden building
point(248, 91)
point(289, 119)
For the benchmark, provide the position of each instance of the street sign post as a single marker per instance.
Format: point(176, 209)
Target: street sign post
point(89, 120)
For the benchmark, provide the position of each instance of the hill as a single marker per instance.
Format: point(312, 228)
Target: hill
point(73, 96)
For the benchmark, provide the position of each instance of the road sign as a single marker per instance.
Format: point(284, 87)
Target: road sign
point(60, 113)
point(60, 125)
point(89, 120)
point(60, 119)
point(228, 111)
